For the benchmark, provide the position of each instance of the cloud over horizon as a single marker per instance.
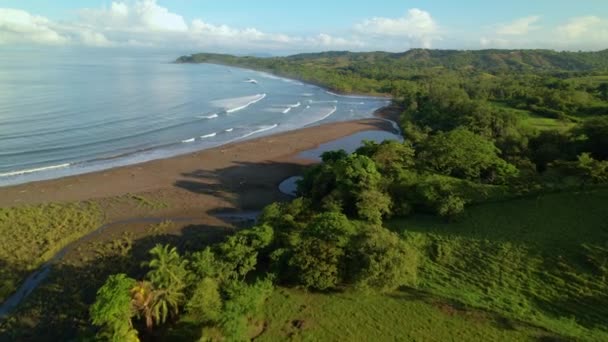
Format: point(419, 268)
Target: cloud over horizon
point(145, 23)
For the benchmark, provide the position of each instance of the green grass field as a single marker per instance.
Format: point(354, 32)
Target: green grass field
point(293, 315)
point(541, 260)
point(531, 120)
point(533, 269)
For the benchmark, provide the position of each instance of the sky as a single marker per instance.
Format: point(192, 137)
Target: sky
point(283, 27)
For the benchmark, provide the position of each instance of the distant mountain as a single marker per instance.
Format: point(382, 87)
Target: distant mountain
point(480, 60)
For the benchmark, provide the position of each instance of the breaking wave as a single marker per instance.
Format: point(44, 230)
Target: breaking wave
point(211, 135)
point(45, 168)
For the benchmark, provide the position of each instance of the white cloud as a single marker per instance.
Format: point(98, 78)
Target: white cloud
point(91, 38)
point(328, 41)
point(576, 27)
point(417, 25)
point(142, 16)
point(145, 23)
point(486, 42)
point(519, 27)
point(17, 26)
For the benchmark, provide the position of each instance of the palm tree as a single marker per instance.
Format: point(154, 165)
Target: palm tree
point(167, 268)
point(167, 281)
point(154, 305)
point(142, 301)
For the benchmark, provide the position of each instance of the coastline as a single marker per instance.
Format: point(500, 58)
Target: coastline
point(232, 168)
point(294, 78)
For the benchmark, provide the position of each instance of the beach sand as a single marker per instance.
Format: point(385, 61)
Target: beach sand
point(238, 176)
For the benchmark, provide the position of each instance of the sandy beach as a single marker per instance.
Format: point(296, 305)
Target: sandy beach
point(241, 175)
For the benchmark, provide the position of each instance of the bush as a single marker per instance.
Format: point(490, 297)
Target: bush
point(381, 260)
point(205, 305)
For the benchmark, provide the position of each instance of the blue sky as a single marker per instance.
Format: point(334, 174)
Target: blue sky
point(286, 26)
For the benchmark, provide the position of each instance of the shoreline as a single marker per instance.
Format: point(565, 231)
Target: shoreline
point(317, 84)
point(228, 166)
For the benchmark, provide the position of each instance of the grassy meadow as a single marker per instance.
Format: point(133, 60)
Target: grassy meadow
point(31, 235)
point(541, 260)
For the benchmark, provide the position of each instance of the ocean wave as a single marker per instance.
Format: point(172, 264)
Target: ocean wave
point(308, 94)
point(307, 107)
point(329, 101)
point(45, 168)
point(211, 135)
point(188, 140)
point(295, 105)
point(239, 103)
point(260, 130)
point(229, 130)
point(328, 114)
point(287, 110)
point(208, 117)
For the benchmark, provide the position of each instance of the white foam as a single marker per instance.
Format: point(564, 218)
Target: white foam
point(295, 105)
point(307, 107)
point(251, 80)
point(211, 135)
point(262, 129)
point(229, 130)
point(23, 172)
point(329, 114)
point(188, 140)
point(287, 110)
point(308, 94)
point(239, 103)
point(209, 117)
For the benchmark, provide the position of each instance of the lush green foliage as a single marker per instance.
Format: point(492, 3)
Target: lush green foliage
point(113, 309)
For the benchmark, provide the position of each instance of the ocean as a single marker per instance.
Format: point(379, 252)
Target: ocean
point(70, 111)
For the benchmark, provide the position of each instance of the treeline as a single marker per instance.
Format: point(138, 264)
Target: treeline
point(561, 85)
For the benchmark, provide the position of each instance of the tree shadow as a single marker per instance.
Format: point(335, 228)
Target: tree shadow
point(244, 185)
point(58, 309)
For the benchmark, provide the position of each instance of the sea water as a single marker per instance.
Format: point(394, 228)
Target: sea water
point(69, 111)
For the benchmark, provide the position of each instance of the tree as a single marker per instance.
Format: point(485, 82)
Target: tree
point(318, 263)
point(373, 205)
point(167, 268)
point(596, 132)
point(316, 258)
point(240, 251)
point(331, 227)
point(168, 279)
point(594, 170)
point(548, 147)
point(391, 157)
point(113, 310)
point(381, 260)
point(464, 154)
point(205, 305)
